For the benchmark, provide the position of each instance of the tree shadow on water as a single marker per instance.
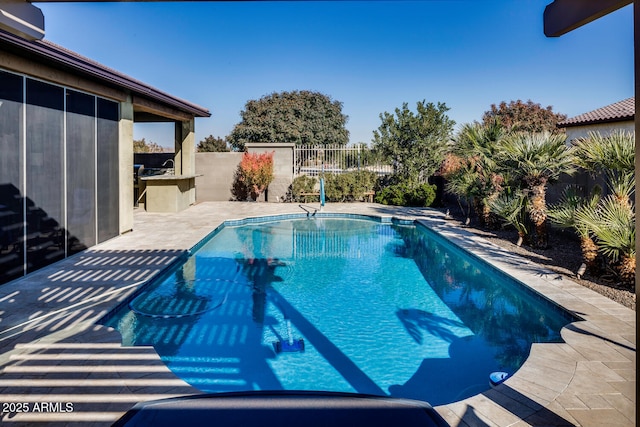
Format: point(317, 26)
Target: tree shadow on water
point(445, 380)
point(415, 321)
point(442, 381)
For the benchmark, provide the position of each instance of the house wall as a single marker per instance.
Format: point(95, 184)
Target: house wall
point(66, 156)
point(59, 172)
point(605, 129)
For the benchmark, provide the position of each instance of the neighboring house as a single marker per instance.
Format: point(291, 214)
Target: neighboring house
point(617, 116)
point(604, 120)
point(66, 151)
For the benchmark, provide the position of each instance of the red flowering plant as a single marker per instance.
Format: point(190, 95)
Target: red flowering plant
point(255, 173)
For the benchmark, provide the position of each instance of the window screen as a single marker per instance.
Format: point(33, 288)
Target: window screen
point(44, 174)
point(81, 171)
point(11, 185)
point(108, 199)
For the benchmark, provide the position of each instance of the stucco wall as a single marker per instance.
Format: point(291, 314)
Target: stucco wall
point(217, 171)
point(605, 129)
point(125, 166)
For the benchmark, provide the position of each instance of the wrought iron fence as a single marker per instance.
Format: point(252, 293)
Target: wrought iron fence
point(336, 159)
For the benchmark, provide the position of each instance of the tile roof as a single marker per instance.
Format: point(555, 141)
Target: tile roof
point(66, 58)
point(616, 112)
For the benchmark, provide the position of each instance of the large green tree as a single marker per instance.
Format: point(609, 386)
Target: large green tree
point(300, 117)
point(212, 144)
point(524, 116)
point(416, 143)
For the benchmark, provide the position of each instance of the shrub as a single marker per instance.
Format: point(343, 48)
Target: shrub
point(337, 188)
point(253, 176)
point(302, 184)
point(239, 189)
point(364, 181)
point(348, 187)
point(391, 195)
point(404, 195)
point(422, 196)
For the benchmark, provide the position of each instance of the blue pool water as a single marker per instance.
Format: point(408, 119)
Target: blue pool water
point(381, 308)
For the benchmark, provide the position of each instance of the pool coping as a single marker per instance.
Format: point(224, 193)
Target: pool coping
point(589, 380)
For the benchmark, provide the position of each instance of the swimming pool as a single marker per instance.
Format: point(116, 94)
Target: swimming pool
point(335, 304)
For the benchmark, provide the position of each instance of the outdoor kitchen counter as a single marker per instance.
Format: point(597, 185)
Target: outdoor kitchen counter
point(169, 193)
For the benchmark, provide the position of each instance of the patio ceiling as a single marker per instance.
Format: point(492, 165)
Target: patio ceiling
point(563, 16)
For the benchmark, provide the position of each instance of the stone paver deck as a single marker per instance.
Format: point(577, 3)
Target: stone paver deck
point(58, 367)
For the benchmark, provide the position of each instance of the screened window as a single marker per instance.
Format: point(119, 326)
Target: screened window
point(81, 171)
point(59, 173)
point(11, 185)
point(108, 175)
point(45, 212)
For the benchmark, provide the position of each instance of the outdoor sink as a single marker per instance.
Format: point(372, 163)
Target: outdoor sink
point(157, 171)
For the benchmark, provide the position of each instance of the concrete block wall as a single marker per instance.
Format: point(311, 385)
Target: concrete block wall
point(217, 170)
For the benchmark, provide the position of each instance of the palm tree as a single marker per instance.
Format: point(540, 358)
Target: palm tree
point(536, 160)
point(512, 208)
point(462, 183)
point(614, 221)
point(565, 215)
point(613, 156)
point(478, 177)
point(613, 225)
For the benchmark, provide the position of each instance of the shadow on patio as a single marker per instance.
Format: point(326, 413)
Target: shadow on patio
point(53, 353)
point(80, 376)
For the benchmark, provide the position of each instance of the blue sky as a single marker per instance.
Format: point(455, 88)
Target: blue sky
point(371, 56)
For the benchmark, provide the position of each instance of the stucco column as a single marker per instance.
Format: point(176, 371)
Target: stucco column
point(185, 155)
point(185, 148)
point(125, 170)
